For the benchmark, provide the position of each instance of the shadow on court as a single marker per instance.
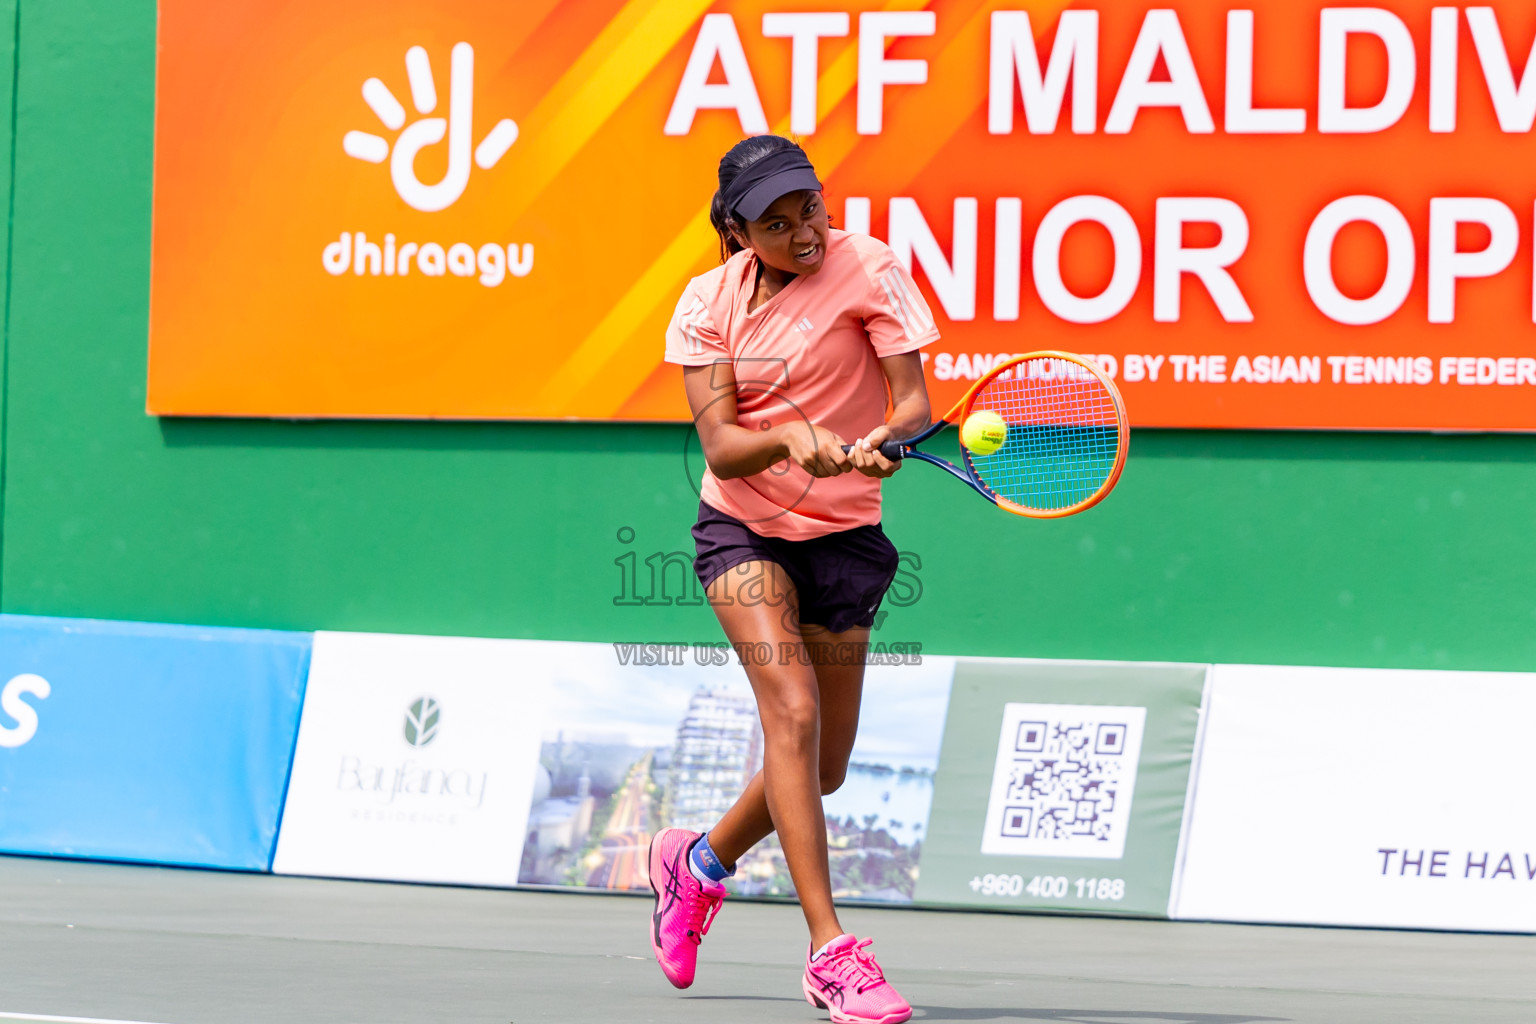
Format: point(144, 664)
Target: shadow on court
point(1081, 1016)
point(1032, 1013)
point(743, 999)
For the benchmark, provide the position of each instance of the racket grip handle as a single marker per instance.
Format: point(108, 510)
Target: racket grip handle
point(890, 449)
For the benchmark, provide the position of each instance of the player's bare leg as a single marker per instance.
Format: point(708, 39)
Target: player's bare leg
point(789, 702)
point(841, 687)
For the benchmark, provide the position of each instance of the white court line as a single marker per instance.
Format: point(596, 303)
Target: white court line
point(68, 1020)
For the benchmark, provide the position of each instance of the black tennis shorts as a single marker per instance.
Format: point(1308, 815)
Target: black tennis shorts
point(840, 578)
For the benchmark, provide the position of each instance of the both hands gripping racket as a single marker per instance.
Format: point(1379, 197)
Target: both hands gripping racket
point(1066, 437)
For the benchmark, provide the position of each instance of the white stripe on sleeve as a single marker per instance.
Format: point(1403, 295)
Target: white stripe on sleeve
point(896, 307)
point(693, 341)
point(922, 322)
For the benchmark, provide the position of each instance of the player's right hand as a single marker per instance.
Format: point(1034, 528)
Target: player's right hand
point(817, 450)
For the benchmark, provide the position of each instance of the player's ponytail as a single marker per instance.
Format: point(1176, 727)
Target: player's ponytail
point(740, 156)
point(721, 218)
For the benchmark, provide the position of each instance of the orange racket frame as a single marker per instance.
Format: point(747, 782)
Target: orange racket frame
point(906, 449)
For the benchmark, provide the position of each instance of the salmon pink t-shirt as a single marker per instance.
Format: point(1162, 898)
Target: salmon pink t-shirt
point(809, 354)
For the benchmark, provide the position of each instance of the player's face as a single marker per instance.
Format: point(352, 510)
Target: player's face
point(791, 235)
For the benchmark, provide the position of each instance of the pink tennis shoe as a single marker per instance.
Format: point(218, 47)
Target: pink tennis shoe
point(684, 905)
point(848, 984)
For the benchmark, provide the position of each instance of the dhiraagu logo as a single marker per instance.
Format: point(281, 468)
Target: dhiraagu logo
point(392, 256)
point(427, 131)
point(21, 712)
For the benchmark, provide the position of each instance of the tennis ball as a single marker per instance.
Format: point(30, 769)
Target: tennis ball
point(984, 432)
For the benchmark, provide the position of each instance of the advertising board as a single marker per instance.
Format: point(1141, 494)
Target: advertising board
point(1061, 785)
point(416, 758)
point(1367, 797)
point(1283, 213)
point(144, 742)
point(637, 740)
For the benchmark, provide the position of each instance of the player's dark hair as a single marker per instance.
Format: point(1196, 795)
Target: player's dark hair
point(740, 156)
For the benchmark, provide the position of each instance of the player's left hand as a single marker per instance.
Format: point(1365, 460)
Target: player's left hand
point(865, 454)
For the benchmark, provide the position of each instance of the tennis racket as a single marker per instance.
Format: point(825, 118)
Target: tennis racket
point(1066, 438)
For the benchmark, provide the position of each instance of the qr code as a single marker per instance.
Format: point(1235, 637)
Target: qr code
point(1063, 781)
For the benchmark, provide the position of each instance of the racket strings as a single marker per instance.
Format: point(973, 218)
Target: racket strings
point(1063, 435)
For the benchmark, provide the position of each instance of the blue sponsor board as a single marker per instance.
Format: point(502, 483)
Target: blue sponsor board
point(142, 742)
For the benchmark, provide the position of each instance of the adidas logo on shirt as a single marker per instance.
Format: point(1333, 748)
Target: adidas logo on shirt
point(804, 325)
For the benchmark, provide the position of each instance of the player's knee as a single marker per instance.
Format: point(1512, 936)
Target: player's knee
point(832, 777)
point(795, 719)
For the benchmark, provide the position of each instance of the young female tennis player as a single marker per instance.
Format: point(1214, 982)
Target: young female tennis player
point(803, 341)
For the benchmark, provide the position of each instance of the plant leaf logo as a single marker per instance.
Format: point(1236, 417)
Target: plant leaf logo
point(427, 131)
point(421, 720)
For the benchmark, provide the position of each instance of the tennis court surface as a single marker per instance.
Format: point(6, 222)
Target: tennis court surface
point(113, 943)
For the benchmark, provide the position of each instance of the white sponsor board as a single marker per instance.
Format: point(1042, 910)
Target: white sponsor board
point(1365, 797)
point(416, 758)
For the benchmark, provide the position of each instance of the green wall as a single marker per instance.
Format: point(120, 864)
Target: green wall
point(9, 25)
point(1389, 550)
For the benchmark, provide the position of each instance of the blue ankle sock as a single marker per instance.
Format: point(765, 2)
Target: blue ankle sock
point(704, 864)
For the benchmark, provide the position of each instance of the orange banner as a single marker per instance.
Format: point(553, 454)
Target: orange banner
point(1284, 214)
